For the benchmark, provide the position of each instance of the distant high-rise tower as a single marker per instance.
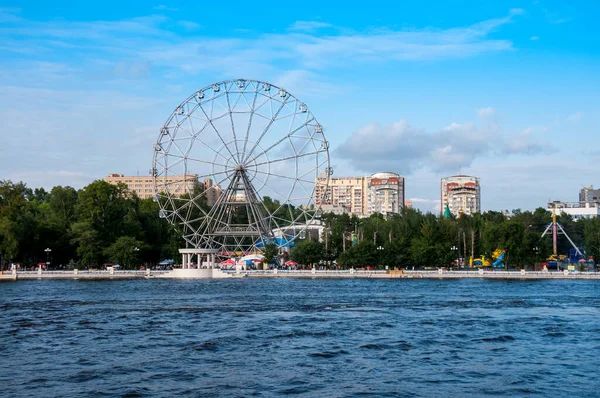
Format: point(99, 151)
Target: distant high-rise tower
point(462, 194)
point(362, 196)
point(589, 195)
point(386, 193)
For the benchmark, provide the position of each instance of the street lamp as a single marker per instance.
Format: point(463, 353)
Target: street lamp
point(135, 252)
point(537, 252)
point(379, 250)
point(48, 250)
point(454, 248)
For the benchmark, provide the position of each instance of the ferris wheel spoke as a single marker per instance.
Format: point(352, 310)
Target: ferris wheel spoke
point(282, 176)
point(250, 121)
point(219, 135)
point(183, 158)
point(212, 149)
point(191, 142)
point(291, 133)
point(288, 158)
point(257, 142)
point(276, 192)
point(217, 183)
point(237, 151)
point(318, 166)
point(175, 143)
point(207, 175)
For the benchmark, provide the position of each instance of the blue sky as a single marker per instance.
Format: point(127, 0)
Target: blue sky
point(506, 91)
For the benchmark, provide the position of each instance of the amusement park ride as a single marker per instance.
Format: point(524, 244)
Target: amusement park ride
point(253, 139)
point(553, 261)
point(557, 229)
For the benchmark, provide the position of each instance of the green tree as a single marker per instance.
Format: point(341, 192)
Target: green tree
point(270, 252)
point(125, 252)
point(360, 255)
point(85, 238)
point(307, 252)
point(105, 207)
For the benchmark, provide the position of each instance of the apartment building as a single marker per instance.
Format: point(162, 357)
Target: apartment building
point(178, 185)
point(589, 195)
point(462, 194)
point(386, 193)
point(361, 196)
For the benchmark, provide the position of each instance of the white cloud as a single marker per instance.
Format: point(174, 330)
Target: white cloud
point(10, 15)
point(486, 112)
point(189, 25)
point(150, 39)
point(525, 143)
point(131, 69)
point(51, 178)
point(427, 205)
point(534, 38)
point(163, 7)
point(575, 117)
point(308, 26)
point(556, 18)
point(76, 131)
point(403, 148)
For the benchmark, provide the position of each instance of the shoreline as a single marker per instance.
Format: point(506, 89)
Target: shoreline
point(315, 274)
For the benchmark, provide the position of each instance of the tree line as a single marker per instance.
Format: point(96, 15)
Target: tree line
point(103, 223)
point(97, 224)
point(415, 239)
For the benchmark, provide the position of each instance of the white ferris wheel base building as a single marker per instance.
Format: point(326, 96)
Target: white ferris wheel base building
point(203, 268)
point(194, 273)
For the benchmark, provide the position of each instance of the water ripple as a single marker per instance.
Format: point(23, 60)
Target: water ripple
point(307, 337)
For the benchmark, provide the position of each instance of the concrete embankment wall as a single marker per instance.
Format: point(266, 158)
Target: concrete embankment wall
point(426, 274)
point(91, 275)
point(115, 275)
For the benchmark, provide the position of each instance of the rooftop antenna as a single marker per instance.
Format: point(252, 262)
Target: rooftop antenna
point(138, 171)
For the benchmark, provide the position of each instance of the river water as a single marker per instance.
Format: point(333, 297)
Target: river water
point(306, 337)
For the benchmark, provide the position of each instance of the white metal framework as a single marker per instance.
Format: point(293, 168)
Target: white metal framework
point(261, 147)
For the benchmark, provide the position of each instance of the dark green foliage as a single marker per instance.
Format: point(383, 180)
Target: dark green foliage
point(270, 252)
point(307, 252)
point(104, 223)
point(126, 252)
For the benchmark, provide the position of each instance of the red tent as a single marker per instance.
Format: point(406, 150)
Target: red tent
point(291, 263)
point(227, 262)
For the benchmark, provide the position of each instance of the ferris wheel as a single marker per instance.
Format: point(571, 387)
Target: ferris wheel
point(235, 167)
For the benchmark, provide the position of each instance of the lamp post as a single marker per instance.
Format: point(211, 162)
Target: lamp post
point(379, 250)
point(537, 252)
point(47, 250)
point(135, 254)
point(454, 248)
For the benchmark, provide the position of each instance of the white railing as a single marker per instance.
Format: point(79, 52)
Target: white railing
point(324, 272)
point(88, 272)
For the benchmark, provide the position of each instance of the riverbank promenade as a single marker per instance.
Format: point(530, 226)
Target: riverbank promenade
point(314, 273)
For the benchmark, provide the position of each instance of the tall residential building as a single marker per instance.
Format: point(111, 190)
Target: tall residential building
point(343, 195)
point(589, 195)
point(178, 185)
point(462, 194)
point(212, 192)
point(386, 193)
point(361, 196)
